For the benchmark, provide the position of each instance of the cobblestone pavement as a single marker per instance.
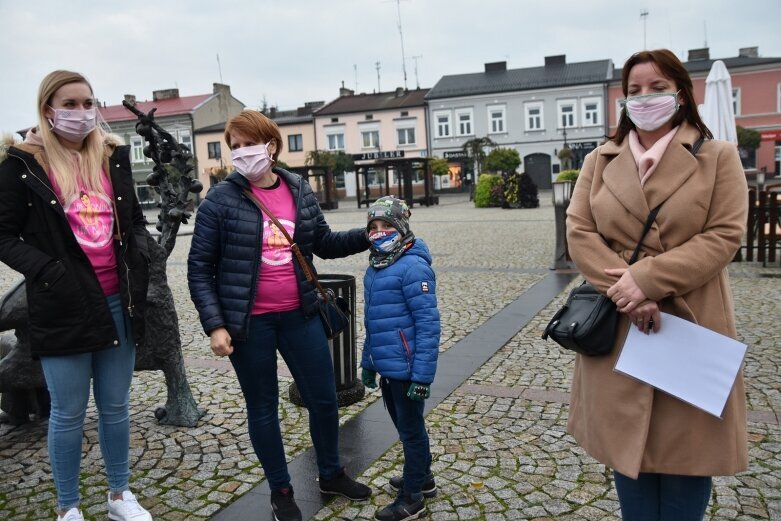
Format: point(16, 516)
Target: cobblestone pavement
point(500, 445)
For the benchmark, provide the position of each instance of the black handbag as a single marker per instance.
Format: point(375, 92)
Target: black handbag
point(587, 322)
point(334, 311)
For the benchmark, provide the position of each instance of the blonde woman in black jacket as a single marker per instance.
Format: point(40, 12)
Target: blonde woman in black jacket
point(71, 224)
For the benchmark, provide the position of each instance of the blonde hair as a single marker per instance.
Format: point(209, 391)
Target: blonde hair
point(70, 169)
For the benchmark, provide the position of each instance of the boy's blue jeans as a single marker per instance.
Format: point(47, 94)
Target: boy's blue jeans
point(663, 497)
point(303, 345)
point(407, 416)
point(68, 380)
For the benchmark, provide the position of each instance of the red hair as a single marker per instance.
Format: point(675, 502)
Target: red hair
point(255, 126)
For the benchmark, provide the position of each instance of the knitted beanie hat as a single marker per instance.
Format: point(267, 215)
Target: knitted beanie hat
point(392, 210)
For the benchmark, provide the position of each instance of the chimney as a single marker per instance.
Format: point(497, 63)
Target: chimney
point(399, 92)
point(344, 91)
point(221, 88)
point(749, 52)
point(699, 54)
point(496, 67)
point(130, 98)
point(165, 94)
point(558, 59)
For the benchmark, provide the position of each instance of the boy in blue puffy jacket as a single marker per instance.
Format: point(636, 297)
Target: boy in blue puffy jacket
point(402, 344)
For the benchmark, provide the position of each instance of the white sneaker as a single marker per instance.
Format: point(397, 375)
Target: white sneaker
point(74, 514)
point(127, 508)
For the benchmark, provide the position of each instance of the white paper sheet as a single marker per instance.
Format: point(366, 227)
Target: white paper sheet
point(690, 362)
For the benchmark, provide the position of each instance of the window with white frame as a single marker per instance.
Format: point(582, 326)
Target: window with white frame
point(736, 100)
point(137, 149)
point(370, 139)
point(186, 139)
point(591, 108)
point(778, 98)
point(566, 114)
point(443, 123)
point(464, 122)
point(533, 116)
point(496, 119)
point(335, 140)
point(405, 136)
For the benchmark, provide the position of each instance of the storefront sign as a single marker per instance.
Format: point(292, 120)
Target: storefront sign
point(770, 135)
point(458, 155)
point(369, 156)
point(587, 146)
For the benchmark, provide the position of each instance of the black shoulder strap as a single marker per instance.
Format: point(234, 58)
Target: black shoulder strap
point(696, 146)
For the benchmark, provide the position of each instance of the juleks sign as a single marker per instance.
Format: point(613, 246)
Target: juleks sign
point(770, 135)
point(390, 154)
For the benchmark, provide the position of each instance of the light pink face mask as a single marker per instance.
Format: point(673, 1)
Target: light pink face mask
point(252, 162)
point(652, 111)
point(73, 125)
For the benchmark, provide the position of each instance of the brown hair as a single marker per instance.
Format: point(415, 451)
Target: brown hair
point(70, 168)
point(255, 126)
point(670, 66)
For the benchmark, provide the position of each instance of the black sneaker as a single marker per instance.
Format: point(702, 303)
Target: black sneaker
point(344, 485)
point(402, 509)
point(284, 506)
point(429, 486)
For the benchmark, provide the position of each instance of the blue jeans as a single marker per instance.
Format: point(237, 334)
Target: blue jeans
point(303, 345)
point(407, 416)
point(68, 379)
point(663, 497)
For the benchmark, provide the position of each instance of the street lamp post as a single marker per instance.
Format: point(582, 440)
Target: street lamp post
point(561, 196)
point(761, 179)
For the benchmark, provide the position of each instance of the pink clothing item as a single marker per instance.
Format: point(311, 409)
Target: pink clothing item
point(32, 137)
point(277, 286)
point(647, 160)
point(91, 217)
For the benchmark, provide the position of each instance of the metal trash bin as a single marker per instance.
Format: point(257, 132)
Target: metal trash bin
point(349, 388)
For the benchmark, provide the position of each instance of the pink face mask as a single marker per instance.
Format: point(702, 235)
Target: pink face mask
point(73, 125)
point(652, 111)
point(252, 162)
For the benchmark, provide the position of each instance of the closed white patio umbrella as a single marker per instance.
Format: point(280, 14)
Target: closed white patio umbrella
point(717, 112)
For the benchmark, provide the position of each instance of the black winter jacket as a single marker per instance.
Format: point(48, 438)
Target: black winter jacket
point(68, 312)
point(225, 253)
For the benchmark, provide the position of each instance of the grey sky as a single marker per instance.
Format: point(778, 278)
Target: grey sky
point(292, 51)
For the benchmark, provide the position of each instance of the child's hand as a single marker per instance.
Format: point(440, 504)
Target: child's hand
point(419, 392)
point(369, 378)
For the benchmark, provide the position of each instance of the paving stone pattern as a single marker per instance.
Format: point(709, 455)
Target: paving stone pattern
point(500, 446)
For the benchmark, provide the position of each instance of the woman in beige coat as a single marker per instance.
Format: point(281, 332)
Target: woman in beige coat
point(663, 451)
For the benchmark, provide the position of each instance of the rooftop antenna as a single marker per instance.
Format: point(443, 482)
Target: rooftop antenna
point(401, 35)
point(644, 17)
point(417, 82)
point(377, 65)
point(705, 28)
point(219, 67)
point(355, 69)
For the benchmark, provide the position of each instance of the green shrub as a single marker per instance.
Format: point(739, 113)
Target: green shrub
point(489, 191)
point(567, 175)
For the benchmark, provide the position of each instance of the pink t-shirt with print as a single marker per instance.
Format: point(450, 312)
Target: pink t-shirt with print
point(91, 217)
point(277, 286)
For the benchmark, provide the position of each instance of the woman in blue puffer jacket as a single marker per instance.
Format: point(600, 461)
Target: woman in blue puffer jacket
point(402, 344)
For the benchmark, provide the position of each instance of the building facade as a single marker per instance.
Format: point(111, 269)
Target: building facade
point(181, 116)
point(298, 132)
point(375, 129)
point(756, 92)
point(536, 111)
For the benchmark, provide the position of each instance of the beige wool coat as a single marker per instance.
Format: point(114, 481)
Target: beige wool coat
point(623, 423)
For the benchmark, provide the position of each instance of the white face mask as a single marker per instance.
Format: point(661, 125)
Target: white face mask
point(252, 162)
point(73, 125)
point(651, 111)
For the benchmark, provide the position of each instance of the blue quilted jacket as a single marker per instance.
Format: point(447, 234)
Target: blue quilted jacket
point(222, 268)
point(401, 318)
